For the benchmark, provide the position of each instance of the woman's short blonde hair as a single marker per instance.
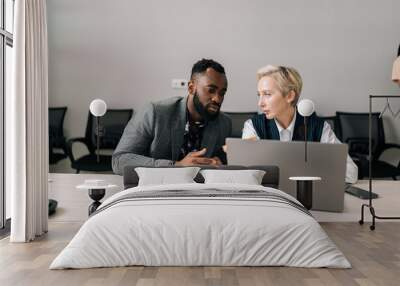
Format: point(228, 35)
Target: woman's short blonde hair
point(286, 78)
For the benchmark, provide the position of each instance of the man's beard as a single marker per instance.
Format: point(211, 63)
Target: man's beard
point(203, 110)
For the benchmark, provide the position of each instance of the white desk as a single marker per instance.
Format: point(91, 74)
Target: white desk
point(386, 205)
point(73, 203)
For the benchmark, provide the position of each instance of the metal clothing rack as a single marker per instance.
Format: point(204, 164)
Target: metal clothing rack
point(369, 205)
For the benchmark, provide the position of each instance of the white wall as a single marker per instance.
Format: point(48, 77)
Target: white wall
point(127, 52)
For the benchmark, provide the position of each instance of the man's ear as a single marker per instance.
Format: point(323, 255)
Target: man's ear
point(191, 87)
point(291, 96)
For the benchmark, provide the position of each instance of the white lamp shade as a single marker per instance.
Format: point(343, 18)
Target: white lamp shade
point(305, 107)
point(98, 107)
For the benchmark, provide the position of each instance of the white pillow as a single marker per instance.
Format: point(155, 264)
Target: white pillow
point(163, 176)
point(248, 177)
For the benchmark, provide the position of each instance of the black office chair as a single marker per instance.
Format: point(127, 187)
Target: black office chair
point(112, 125)
point(353, 129)
point(238, 119)
point(56, 134)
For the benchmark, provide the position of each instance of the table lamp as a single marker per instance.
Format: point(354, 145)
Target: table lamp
point(98, 108)
point(305, 108)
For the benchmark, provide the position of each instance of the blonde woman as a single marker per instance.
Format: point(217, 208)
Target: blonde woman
point(279, 89)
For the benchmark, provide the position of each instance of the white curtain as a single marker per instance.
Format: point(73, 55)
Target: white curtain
point(27, 122)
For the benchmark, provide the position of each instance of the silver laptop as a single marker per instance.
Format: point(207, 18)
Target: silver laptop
point(327, 161)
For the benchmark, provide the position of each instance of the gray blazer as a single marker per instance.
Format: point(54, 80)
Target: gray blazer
point(154, 136)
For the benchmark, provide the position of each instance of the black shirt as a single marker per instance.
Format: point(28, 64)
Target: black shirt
point(192, 138)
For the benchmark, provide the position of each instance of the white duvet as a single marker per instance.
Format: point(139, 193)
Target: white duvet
point(200, 231)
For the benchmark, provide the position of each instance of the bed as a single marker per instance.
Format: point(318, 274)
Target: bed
point(201, 224)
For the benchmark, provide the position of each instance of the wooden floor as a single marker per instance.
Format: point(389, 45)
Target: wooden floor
point(374, 255)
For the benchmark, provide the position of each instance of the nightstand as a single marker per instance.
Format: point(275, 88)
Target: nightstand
point(304, 190)
point(96, 190)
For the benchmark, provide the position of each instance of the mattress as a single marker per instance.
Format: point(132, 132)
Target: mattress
point(201, 225)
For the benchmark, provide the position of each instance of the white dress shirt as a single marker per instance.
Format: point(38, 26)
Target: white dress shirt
point(328, 136)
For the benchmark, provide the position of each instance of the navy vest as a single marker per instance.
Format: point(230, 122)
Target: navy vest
point(267, 129)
